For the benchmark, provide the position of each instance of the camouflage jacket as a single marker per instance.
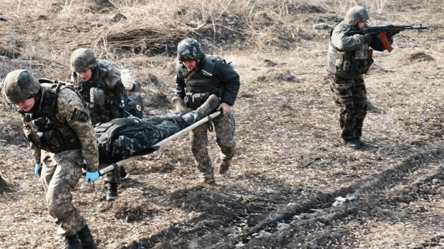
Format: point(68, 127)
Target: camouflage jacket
point(343, 59)
point(69, 111)
point(106, 76)
point(223, 80)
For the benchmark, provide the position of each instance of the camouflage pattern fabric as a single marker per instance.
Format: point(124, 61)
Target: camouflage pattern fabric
point(224, 78)
point(68, 103)
point(61, 171)
point(107, 77)
point(342, 52)
point(351, 98)
point(60, 174)
point(224, 127)
point(139, 136)
point(355, 15)
point(189, 49)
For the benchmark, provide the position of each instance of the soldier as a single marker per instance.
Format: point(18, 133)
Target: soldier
point(349, 57)
point(102, 86)
point(59, 129)
point(197, 77)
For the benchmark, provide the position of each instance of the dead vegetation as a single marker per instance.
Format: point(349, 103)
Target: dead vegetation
point(292, 184)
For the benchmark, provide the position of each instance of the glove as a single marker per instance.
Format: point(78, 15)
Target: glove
point(38, 170)
point(127, 80)
point(225, 108)
point(368, 38)
point(91, 177)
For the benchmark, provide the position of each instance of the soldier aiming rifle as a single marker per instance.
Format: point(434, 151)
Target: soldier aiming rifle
point(350, 56)
point(384, 31)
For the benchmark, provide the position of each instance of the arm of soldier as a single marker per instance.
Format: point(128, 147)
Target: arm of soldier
point(344, 42)
point(36, 152)
point(179, 82)
point(136, 86)
point(230, 82)
point(113, 78)
point(72, 110)
point(114, 82)
point(130, 82)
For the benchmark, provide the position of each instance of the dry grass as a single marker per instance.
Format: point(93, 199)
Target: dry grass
point(290, 165)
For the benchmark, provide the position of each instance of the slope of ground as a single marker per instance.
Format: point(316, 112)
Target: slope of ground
point(292, 183)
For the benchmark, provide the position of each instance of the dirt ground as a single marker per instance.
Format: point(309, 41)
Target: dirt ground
point(292, 183)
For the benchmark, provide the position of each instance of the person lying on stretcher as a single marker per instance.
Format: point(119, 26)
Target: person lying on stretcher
point(126, 137)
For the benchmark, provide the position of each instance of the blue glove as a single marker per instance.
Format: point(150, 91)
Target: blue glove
point(38, 170)
point(91, 177)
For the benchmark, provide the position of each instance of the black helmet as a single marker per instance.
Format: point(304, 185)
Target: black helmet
point(82, 59)
point(20, 85)
point(189, 49)
point(356, 14)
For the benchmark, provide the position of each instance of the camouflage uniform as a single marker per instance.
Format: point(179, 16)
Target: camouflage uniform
point(212, 75)
point(349, 57)
point(62, 170)
point(225, 128)
point(106, 97)
point(107, 77)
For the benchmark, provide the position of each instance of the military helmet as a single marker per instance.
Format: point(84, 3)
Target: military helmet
point(20, 85)
point(356, 14)
point(82, 59)
point(189, 49)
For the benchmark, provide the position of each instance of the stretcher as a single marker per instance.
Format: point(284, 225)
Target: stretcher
point(156, 146)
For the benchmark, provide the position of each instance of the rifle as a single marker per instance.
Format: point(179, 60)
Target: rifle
point(383, 31)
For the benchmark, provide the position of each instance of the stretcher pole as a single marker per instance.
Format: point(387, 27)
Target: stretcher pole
point(164, 141)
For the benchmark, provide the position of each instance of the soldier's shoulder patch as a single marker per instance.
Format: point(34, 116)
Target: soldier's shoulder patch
point(80, 116)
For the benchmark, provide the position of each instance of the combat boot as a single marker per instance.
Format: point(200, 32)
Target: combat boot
point(86, 238)
point(209, 105)
point(179, 104)
point(72, 242)
point(209, 179)
point(209, 176)
point(111, 191)
point(224, 166)
point(354, 144)
point(361, 143)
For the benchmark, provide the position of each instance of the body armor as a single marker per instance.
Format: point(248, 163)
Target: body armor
point(202, 83)
point(44, 130)
point(114, 100)
point(348, 64)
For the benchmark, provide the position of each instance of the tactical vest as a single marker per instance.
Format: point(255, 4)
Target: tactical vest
point(113, 103)
point(44, 130)
point(351, 64)
point(202, 84)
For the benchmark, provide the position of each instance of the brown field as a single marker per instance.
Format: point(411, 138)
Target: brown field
point(291, 169)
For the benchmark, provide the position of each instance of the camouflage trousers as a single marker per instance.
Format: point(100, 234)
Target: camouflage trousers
point(225, 128)
point(351, 98)
point(60, 174)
